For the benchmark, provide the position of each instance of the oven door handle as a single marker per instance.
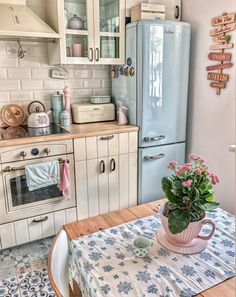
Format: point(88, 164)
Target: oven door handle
point(12, 169)
point(40, 220)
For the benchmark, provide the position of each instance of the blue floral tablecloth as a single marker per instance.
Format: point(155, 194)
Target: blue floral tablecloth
point(103, 263)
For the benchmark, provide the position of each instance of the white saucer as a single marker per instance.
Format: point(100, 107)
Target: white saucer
point(198, 246)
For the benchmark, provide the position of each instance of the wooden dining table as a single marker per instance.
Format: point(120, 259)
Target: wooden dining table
point(112, 219)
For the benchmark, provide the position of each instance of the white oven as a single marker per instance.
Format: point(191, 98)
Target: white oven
point(16, 201)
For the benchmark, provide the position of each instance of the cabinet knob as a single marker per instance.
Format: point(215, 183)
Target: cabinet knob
point(90, 56)
point(47, 151)
point(23, 154)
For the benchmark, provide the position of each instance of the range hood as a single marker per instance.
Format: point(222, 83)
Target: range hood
point(17, 21)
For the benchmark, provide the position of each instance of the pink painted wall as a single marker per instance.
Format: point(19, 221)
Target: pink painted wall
point(211, 121)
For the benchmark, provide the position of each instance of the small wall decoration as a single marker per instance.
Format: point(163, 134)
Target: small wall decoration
point(221, 37)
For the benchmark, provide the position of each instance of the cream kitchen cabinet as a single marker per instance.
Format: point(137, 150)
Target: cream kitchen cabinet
point(101, 40)
point(34, 228)
point(105, 173)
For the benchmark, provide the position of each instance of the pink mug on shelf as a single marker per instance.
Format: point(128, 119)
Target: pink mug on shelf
point(77, 49)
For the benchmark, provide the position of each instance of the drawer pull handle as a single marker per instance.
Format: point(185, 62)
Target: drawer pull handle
point(156, 157)
point(112, 165)
point(156, 138)
point(107, 137)
point(97, 55)
point(102, 167)
point(90, 54)
point(23, 155)
point(40, 220)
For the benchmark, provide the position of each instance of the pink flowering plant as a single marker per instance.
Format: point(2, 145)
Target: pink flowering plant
point(189, 192)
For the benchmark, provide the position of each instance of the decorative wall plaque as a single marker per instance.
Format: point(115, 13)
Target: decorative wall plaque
point(222, 25)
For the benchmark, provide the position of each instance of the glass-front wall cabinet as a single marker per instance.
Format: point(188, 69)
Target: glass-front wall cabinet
point(93, 32)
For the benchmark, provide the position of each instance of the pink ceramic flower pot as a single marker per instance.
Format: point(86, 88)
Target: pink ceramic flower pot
point(188, 236)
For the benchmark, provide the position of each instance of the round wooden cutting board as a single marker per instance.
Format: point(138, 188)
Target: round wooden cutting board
point(12, 115)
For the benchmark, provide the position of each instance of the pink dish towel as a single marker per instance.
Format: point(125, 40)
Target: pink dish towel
point(65, 180)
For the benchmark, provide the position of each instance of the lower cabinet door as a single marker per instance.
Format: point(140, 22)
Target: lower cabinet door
point(7, 235)
point(103, 185)
point(113, 168)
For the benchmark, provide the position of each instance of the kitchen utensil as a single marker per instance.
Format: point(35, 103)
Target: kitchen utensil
point(75, 23)
point(57, 107)
point(77, 49)
point(122, 120)
point(37, 118)
point(141, 246)
point(65, 118)
point(12, 115)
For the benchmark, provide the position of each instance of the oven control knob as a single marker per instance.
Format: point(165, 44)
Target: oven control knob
point(23, 154)
point(35, 152)
point(47, 151)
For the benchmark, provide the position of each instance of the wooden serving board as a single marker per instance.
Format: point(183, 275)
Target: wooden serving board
point(12, 115)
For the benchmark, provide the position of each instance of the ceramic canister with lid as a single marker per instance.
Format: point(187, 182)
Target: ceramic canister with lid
point(57, 106)
point(65, 118)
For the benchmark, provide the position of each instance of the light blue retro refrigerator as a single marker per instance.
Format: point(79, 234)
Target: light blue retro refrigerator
point(155, 91)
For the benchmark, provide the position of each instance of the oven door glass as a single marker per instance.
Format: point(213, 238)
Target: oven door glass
point(20, 194)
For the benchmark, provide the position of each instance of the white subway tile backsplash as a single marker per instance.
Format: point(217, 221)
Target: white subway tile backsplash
point(83, 73)
point(3, 73)
point(106, 83)
point(8, 62)
point(38, 51)
point(4, 97)
point(9, 85)
point(21, 95)
point(31, 84)
point(18, 73)
point(29, 62)
point(40, 73)
point(74, 84)
point(102, 92)
point(102, 73)
point(53, 84)
point(92, 83)
point(43, 95)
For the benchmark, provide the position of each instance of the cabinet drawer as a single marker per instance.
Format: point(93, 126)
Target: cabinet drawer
point(105, 145)
point(35, 228)
point(51, 148)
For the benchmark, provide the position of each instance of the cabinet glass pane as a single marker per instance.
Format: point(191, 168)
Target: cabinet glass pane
point(109, 47)
point(77, 10)
point(21, 195)
point(109, 15)
point(76, 46)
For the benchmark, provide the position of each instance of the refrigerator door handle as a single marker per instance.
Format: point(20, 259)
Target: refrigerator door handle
point(156, 138)
point(155, 157)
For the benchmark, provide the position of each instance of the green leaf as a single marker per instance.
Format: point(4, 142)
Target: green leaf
point(210, 198)
point(195, 217)
point(209, 206)
point(167, 186)
point(172, 206)
point(178, 221)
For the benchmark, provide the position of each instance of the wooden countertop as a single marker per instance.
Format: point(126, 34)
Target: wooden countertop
point(76, 131)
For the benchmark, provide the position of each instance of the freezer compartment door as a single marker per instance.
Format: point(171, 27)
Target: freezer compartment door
point(153, 163)
point(163, 66)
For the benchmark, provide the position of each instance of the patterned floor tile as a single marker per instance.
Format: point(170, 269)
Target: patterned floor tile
point(35, 284)
point(9, 288)
point(23, 270)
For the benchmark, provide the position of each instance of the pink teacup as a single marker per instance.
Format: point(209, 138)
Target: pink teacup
point(187, 237)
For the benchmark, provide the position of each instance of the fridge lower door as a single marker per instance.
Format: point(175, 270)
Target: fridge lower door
point(153, 163)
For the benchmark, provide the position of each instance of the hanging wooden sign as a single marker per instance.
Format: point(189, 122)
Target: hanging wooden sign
point(219, 66)
point(219, 56)
point(225, 19)
point(221, 46)
point(222, 39)
point(222, 29)
point(218, 84)
point(218, 76)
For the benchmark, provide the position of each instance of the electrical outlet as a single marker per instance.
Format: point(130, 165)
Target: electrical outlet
point(58, 73)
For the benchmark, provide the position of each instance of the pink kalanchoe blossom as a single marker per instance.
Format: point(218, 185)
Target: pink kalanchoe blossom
point(182, 169)
point(172, 165)
point(214, 179)
point(198, 171)
point(187, 183)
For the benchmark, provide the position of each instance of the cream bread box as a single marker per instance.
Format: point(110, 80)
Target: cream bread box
point(88, 113)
